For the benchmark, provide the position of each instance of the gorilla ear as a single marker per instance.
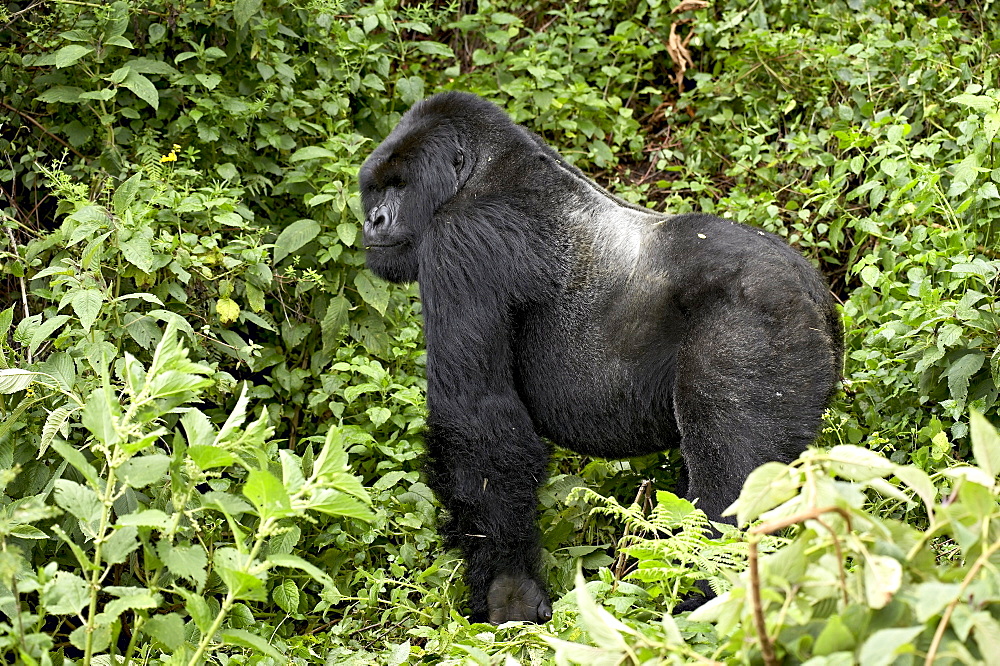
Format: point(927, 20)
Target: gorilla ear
point(464, 164)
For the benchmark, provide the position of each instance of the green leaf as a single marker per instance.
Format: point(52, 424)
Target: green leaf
point(87, 306)
point(78, 500)
point(120, 545)
point(46, 330)
point(871, 275)
point(312, 153)
point(187, 562)
point(138, 252)
point(858, 464)
point(286, 595)
point(767, 486)
point(99, 415)
point(143, 88)
point(296, 562)
point(977, 102)
point(884, 646)
point(605, 630)
point(167, 629)
point(335, 322)
point(128, 599)
point(197, 608)
point(267, 494)
point(65, 594)
point(244, 9)
point(208, 456)
point(245, 639)
point(338, 504)
point(54, 422)
point(294, 236)
point(960, 372)
point(14, 380)
point(69, 54)
point(148, 518)
point(436, 49)
point(78, 461)
point(61, 94)
point(347, 232)
point(227, 309)
point(141, 471)
point(985, 444)
point(883, 576)
point(375, 293)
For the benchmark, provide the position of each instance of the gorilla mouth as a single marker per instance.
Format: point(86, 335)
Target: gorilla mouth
point(382, 246)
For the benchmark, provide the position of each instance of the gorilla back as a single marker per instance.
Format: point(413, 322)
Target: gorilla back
point(554, 309)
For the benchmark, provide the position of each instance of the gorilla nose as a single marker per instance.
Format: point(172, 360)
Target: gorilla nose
point(378, 218)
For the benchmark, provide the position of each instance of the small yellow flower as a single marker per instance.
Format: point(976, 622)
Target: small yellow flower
point(170, 157)
point(174, 148)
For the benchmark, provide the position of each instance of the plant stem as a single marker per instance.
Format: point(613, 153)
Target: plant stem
point(95, 576)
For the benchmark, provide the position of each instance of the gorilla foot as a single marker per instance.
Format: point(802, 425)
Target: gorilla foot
point(695, 600)
point(517, 597)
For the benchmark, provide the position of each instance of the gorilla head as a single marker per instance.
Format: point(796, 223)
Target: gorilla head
point(555, 311)
point(423, 164)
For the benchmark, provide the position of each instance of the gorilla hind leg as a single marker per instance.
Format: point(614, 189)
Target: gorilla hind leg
point(751, 387)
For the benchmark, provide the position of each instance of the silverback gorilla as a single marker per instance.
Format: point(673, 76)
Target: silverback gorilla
point(553, 309)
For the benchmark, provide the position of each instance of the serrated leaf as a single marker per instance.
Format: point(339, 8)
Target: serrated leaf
point(286, 595)
point(120, 545)
point(65, 594)
point(244, 9)
point(267, 494)
point(228, 310)
point(141, 471)
point(78, 500)
point(148, 518)
point(54, 422)
point(167, 629)
point(185, 561)
point(960, 372)
point(294, 236)
point(138, 252)
point(70, 53)
point(338, 504)
point(208, 456)
point(87, 306)
point(374, 293)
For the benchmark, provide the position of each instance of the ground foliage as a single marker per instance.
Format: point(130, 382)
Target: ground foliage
point(210, 413)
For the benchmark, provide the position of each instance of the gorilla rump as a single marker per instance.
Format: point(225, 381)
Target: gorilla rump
point(553, 309)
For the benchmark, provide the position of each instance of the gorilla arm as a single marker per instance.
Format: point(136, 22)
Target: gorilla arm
point(486, 461)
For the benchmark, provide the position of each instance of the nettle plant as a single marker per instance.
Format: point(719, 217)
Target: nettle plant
point(169, 524)
point(851, 585)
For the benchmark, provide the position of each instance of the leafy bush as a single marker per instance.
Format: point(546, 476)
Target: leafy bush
point(185, 171)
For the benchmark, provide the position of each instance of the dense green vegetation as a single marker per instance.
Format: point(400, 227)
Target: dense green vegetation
point(210, 413)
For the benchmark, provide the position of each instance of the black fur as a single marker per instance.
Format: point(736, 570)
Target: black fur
point(553, 309)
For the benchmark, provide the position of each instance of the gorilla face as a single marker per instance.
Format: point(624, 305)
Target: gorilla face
point(418, 168)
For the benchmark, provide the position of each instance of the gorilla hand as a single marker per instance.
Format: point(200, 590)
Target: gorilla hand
point(518, 597)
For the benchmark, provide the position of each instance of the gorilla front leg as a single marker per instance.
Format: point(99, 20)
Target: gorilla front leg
point(488, 484)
